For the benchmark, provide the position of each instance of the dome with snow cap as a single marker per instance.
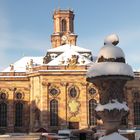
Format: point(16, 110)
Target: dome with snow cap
point(111, 39)
point(109, 52)
point(110, 61)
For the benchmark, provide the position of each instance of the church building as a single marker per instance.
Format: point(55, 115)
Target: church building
point(51, 92)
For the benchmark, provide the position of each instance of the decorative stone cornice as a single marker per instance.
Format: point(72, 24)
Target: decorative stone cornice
point(45, 84)
point(84, 83)
point(27, 88)
point(64, 83)
point(12, 88)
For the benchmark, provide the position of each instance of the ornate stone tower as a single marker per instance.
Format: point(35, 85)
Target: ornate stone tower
point(63, 28)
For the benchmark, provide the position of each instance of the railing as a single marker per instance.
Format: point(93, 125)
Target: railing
point(12, 74)
point(44, 67)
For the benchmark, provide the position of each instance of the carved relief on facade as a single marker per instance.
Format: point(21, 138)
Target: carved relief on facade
point(73, 92)
point(12, 88)
point(84, 84)
point(64, 83)
point(19, 94)
point(45, 83)
point(3, 94)
point(54, 91)
point(73, 103)
point(92, 92)
point(47, 59)
point(74, 106)
point(73, 60)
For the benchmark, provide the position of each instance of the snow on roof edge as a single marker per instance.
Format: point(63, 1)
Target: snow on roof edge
point(63, 48)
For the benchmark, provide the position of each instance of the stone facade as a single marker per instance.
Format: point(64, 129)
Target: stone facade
point(65, 84)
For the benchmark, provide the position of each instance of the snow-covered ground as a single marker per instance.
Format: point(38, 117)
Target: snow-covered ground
point(113, 136)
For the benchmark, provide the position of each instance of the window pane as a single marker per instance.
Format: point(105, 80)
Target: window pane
point(136, 113)
point(53, 112)
point(3, 115)
point(64, 25)
point(18, 114)
point(73, 92)
point(92, 105)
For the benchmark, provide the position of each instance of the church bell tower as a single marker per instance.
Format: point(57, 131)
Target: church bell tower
point(63, 28)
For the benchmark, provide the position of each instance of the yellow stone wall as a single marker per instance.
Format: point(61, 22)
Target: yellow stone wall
point(40, 86)
point(11, 88)
point(35, 90)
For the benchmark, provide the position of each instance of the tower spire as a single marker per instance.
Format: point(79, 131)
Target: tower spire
point(63, 28)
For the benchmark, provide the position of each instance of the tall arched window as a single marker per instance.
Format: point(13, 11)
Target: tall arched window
point(63, 25)
point(92, 105)
point(18, 114)
point(3, 114)
point(53, 112)
point(136, 113)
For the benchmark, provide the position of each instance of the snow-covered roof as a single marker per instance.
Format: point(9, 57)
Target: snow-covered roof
point(109, 68)
point(65, 57)
point(113, 136)
point(21, 64)
point(63, 48)
point(110, 51)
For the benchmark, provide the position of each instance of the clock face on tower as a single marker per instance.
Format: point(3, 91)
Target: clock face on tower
point(64, 38)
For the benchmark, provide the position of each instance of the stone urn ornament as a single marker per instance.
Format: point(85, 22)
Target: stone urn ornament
point(110, 74)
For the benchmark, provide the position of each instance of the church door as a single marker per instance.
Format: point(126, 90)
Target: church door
point(73, 125)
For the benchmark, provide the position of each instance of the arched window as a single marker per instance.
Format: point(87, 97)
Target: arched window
point(3, 96)
point(63, 25)
point(3, 114)
point(18, 95)
point(92, 91)
point(92, 105)
point(53, 112)
point(18, 114)
point(73, 92)
point(136, 113)
point(53, 91)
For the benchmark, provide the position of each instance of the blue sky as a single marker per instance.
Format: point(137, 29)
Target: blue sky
point(26, 26)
